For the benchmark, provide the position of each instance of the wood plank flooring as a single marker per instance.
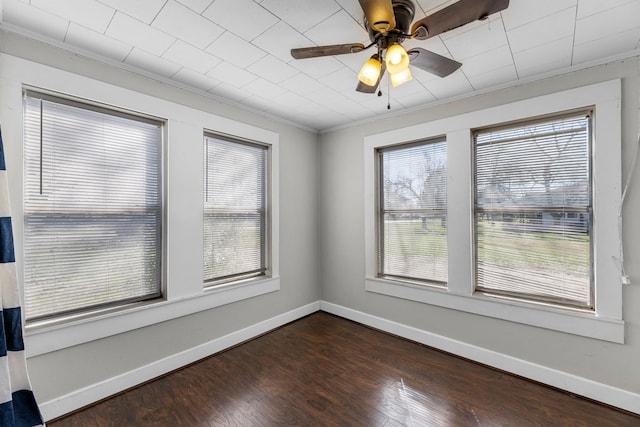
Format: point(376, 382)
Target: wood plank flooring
point(326, 371)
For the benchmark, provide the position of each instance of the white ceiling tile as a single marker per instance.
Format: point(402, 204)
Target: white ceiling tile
point(483, 38)
point(542, 31)
point(348, 108)
point(272, 69)
point(125, 28)
point(229, 73)
point(543, 58)
point(301, 14)
point(591, 7)
point(33, 19)
point(487, 61)
point(606, 46)
point(353, 8)
point(197, 6)
point(341, 80)
point(143, 11)
point(146, 61)
point(195, 79)
point(521, 12)
point(379, 104)
point(431, 6)
point(262, 104)
point(88, 13)
point(280, 39)
point(317, 67)
point(494, 77)
point(93, 41)
point(244, 18)
point(591, 28)
point(185, 24)
point(349, 31)
point(302, 84)
point(452, 85)
point(264, 88)
point(232, 48)
point(232, 93)
point(414, 98)
point(189, 56)
point(326, 97)
point(290, 99)
point(250, 62)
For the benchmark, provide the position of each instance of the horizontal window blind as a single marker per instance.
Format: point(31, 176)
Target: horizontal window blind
point(412, 238)
point(533, 210)
point(234, 210)
point(92, 207)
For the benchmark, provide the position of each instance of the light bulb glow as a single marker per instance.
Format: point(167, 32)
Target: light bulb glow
point(397, 59)
point(370, 71)
point(401, 77)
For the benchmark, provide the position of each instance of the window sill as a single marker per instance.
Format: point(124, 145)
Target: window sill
point(45, 337)
point(575, 322)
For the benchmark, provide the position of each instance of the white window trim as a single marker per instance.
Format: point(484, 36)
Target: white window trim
point(606, 322)
point(183, 289)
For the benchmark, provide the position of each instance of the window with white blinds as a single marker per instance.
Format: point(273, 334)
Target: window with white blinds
point(533, 210)
point(235, 214)
point(412, 223)
point(92, 207)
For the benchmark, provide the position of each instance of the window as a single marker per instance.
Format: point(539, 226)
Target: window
point(235, 215)
point(533, 210)
point(412, 236)
point(92, 207)
point(532, 218)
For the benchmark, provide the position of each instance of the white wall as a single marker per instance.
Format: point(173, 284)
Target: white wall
point(322, 254)
point(599, 367)
point(70, 377)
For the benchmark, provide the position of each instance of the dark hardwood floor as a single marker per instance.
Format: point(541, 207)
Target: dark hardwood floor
point(326, 371)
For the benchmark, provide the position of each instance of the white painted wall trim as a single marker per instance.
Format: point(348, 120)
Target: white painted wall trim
point(581, 386)
point(79, 398)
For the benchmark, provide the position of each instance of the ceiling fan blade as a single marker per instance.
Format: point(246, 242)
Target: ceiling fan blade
point(456, 15)
point(379, 14)
point(329, 50)
point(432, 62)
point(371, 89)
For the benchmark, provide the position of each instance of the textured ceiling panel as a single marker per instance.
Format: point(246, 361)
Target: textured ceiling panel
point(239, 50)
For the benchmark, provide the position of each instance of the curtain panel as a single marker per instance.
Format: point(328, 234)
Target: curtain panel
point(18, 407)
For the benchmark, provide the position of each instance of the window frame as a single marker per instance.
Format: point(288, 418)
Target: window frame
point(380, 242)
point(96, 107)
point(589, 113)
point(606, 322)
point(266, 235)
point(183, 293)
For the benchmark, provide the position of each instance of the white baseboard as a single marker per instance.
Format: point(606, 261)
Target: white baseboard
point(77, 399)
point(581, 386)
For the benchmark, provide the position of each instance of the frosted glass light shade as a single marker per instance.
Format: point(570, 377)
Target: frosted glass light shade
point(370, 71)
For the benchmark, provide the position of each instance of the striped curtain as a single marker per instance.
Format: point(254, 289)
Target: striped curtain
point(18, 405)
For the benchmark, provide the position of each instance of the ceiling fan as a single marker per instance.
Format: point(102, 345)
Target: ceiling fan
point(389, 24)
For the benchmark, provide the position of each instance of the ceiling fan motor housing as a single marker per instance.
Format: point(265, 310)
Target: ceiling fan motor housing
point(404, 11)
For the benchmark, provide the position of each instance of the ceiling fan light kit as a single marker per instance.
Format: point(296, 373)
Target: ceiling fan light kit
point(388, 23)
point(371, 70)
point(396, 58)
point(402, 77)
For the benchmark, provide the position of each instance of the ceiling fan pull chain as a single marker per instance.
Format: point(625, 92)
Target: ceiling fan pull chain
point(388, 93)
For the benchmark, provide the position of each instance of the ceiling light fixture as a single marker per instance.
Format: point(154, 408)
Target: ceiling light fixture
point(396, 58)
point(370, 72)
point(397, 61)
point(401, 77)
point(388, 23)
